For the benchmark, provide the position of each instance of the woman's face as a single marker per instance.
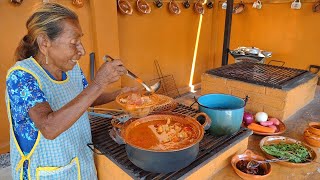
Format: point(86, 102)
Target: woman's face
point(66, 49)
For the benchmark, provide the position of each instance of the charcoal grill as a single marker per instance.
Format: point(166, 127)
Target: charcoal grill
point(263, 74)
point(210, 147)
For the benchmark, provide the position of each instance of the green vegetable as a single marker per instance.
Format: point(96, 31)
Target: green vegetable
point(294, 152)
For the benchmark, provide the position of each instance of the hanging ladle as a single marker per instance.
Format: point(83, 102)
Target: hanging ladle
point(150, 89)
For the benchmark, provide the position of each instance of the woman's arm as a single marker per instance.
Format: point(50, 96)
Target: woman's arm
point(53, 123)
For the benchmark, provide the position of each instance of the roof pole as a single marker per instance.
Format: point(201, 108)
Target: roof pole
point(227, 32)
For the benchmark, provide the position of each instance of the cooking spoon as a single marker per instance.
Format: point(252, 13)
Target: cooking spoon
point(150, 89)
point(255, 163)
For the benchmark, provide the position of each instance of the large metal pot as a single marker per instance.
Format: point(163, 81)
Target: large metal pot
point(225, 111)
point(161, 161)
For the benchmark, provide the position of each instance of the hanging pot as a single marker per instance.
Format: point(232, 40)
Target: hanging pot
point(316, 7)
point(16, 2)
point(209, 4)
point(174, 7)
point(225, 111)
point(125, 7)
point(186, 4)
point(296, 4)
point(158, 3)
point(78, 3)
point(238, 8)
point(143, 7)
point(141, 151)
point(198, 7)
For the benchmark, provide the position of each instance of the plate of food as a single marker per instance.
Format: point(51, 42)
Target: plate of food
point(262, 124)
point(298, 154)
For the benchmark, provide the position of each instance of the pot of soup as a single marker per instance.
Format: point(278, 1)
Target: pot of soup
point(161, 143)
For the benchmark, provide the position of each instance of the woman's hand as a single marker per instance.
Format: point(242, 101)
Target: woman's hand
point(109, 72)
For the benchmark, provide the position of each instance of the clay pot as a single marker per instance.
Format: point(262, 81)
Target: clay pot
point(316, 7)
point(78, 3)
point(198, 7)
point(125, 7)
point(143, 7)
point(248, 156)
point(238, 8)
point(312, 134)
point(16, 2)
point(174, 7)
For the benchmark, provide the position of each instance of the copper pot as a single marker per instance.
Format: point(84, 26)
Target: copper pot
point(174, 7)
point(125, 7)
point(198, 7)
point(143, 7)
point(239, 8)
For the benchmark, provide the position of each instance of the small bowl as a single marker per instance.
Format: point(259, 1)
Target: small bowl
point(248, 156)
point(268, 140)
point(312, 139)
point(143, 7)
point(137, 111)
point(314, 128)
point(174, 7)
point(125, 7)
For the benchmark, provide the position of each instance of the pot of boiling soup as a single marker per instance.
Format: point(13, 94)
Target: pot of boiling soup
point(161, 143)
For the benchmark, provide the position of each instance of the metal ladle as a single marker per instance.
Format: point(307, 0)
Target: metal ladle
point(254, 163)
point(150, 89)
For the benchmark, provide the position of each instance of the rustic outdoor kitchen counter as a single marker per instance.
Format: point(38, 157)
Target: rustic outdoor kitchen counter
point(296, 125)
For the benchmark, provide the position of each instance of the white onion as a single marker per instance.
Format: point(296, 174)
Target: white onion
point(261, 117)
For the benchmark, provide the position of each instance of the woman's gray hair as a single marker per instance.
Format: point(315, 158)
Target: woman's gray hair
point(46, 19)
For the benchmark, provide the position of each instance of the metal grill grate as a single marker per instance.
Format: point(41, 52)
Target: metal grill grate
point(263, 74)
point(210, 146)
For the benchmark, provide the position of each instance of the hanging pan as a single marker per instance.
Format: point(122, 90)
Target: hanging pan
point(143, 7)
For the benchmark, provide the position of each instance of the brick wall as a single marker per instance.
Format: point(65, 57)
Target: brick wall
point(276, 102)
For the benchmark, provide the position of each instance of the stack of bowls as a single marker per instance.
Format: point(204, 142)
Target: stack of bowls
point(312, 134)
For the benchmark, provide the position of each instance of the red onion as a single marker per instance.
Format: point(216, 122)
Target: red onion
point(247, 118)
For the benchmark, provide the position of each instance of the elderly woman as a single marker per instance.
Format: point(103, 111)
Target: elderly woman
point(47, 97)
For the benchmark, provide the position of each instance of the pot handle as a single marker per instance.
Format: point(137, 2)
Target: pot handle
point(114, 133)
point(195, 101)
point(200, 117)
point(246, 100)
point(91, 147)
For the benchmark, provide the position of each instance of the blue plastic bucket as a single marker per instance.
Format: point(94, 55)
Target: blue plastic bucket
point(226, 112)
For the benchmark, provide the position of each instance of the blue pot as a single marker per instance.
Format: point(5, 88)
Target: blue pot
point(226, 112)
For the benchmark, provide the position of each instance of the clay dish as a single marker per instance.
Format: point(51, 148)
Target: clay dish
point(312, 134)
point(125, 7)
point(281, 128)
point(312, 139)
point(316, 7)
point(143, 7)
point(314, 127)
point(239, 8)
point(198, 7)
point(268, 140)
point(248, 156)
point(174, 7)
